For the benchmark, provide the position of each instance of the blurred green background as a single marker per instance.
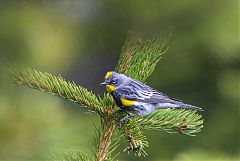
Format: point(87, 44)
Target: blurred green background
point(82, 39)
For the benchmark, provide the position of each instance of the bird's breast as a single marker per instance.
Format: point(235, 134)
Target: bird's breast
point(117, 99)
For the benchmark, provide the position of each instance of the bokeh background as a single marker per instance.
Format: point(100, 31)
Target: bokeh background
point(82, 39)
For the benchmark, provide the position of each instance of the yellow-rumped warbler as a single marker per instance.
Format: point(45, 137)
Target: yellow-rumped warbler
point(138, 98)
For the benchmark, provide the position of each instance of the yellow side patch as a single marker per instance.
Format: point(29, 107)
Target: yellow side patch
point(108, 74)
point(126, 102)
point(110, 88)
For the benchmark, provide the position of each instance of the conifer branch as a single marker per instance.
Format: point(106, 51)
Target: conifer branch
point(58, 86)
point(108, 104)
point(71, 92)
point(103, 146)
point(181, 121)
point(139, 57)
point(134, 135)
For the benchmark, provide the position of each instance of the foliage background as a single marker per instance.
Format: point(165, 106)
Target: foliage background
point(82, 40)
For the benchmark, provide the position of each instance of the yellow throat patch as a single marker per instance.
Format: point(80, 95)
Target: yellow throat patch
point(126, 102)
point(108, 74)
point(110, 88)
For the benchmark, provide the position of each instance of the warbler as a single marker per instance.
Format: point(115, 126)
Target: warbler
point(138, 98)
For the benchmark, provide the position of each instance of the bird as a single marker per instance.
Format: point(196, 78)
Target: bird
point(137, 98)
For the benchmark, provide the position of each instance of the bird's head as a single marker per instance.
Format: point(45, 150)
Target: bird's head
point(114, 80)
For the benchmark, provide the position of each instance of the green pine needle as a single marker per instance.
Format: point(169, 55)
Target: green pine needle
point(69, 155)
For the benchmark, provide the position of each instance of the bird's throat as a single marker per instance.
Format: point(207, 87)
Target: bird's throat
point(110, 88)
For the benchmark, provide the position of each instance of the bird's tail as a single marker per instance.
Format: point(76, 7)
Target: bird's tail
point(178, 105)
point(187, 106)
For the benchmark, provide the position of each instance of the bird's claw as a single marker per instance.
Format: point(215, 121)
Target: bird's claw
point(121, 120)
point(124, 118)
point(117, 112)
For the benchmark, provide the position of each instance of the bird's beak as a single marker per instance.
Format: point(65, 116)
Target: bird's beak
point(103, 83)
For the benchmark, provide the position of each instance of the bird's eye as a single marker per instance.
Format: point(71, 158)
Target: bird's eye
point(114, 81)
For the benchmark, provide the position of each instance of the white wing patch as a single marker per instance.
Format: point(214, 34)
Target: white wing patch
point(165, 105)
point(145, 94)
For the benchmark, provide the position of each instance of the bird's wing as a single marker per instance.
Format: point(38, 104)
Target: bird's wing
point(142, 93)
point(153, 96)
point(127, 92)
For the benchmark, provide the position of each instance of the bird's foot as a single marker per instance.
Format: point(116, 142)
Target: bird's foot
point(117, 112)
point(124, 118)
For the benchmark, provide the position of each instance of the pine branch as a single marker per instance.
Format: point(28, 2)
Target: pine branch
point(139, 57)
point(71, 92)
point(58, 86)
point(108, 104)
point(104, 140)
point(182, 121)
point(134, 136)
